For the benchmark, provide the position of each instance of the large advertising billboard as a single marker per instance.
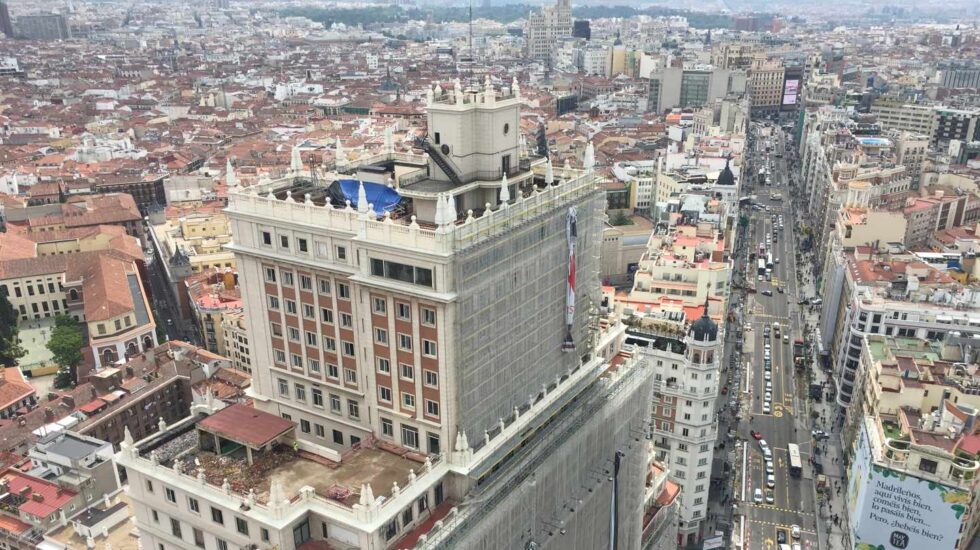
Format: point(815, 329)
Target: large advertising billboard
point(791, 89)
point(892, 510)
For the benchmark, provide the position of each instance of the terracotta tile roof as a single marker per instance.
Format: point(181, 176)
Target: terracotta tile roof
point(13, 246)
point(104, 285)
point(13, 387)
point(43, 498)
point(13, 525)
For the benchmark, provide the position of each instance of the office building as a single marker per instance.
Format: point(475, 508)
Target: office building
point(6, 25)
point(43, 27)
point(673, 87)
point(546, 28)
point(394, 405)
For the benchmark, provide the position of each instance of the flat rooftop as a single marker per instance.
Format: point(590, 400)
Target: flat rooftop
point(122, 535)
point(374, 466)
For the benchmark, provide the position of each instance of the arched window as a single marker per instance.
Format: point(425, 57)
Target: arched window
point(108, 356)
point(73, 294)
point(131, 349)
point(147, 342)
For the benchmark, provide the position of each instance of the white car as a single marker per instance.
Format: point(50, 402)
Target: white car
point(771, 481)
point(769, 468)
point(768, 396)
point(765, 408)
point(769, 385)
point(763, 445)
point(768, 375)
point(757, 496)
point(767, 453)
point(795, 532)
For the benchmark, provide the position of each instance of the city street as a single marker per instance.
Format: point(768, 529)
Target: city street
point(787, 421)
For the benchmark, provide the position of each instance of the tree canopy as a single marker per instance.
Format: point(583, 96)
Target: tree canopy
point(10, 348)
point(66, 345)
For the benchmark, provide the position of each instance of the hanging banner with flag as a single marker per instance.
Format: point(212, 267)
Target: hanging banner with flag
point(571, 233)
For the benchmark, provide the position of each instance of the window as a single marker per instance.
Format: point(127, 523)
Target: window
point(279, 356)
point(217, 516)
point(222, 545)
point(306, 282)
point(384, 365)
point(428, 348)
point(404, 342)
point(348, 348)
point(329, 344)
point(283, 241)
point(170, 494)
point(267, 238)
point(318, 428)
point(241, 525)
point(276, 329)
point(387, 428)
point(293, 334)
point(344, 291)
point(350, 375)
point(273, 302)
point(407, 371)
point(313, 365)
point(149, 486)
point(407, 516)
point(156, 516)
point(431, 379)
point(287, 278)
point(270, 274)
point(198, 537)
point(304, 425)
point(291, 307)
point(193, 505)
point(309, 312)
point(384, 394)
point(283, 387)
point(317, 397)
point(927, 465)
point(431, 408)
point(300, 392)
point(311, 339)
point(326, 315)
point(404, 311)
point(338, 437)
point(301, 244)
point(353, 410)
point(410, 437)
point(379, 306)
point(335, 403)
point(434, 447)
point(408, 400)
point(401, 272)
point(324, 285)
point(265, 534)
point(297, 360)
point(346, 320)
point(175, 528)
point(333, 371)
point(381, 336)
point(341, 253)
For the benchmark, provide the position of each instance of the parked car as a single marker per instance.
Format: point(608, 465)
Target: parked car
point(757, 496)
point(795, 531)
point(771, 481)
point(770, 498)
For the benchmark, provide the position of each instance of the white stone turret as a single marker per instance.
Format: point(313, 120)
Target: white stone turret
point(458, 91)
point(339, 156)
point(549, 173)
point(451, 214)
point(296, 163)
point(362, 202)
point(389, 140)
point(231, 180)
point(515, 88)
point(489, 97)
point(588, 162)
point(504, 191)
point(440, 217)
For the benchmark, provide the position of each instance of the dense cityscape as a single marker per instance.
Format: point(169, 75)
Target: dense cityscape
point(303, 275)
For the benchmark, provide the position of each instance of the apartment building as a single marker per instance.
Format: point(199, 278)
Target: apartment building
point(78, 213)
point(766, 84)
point(939, 210)
point(685, 262)
point(385, 397)
point(236, 340)
point(546, 28)
point(673, 87)
point(685, 359)
point(906, 117)
point(211, 296)
point(915, 417)
point(869, 291)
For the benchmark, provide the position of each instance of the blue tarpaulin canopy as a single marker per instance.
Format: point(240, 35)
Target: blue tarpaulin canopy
point(384, 198)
